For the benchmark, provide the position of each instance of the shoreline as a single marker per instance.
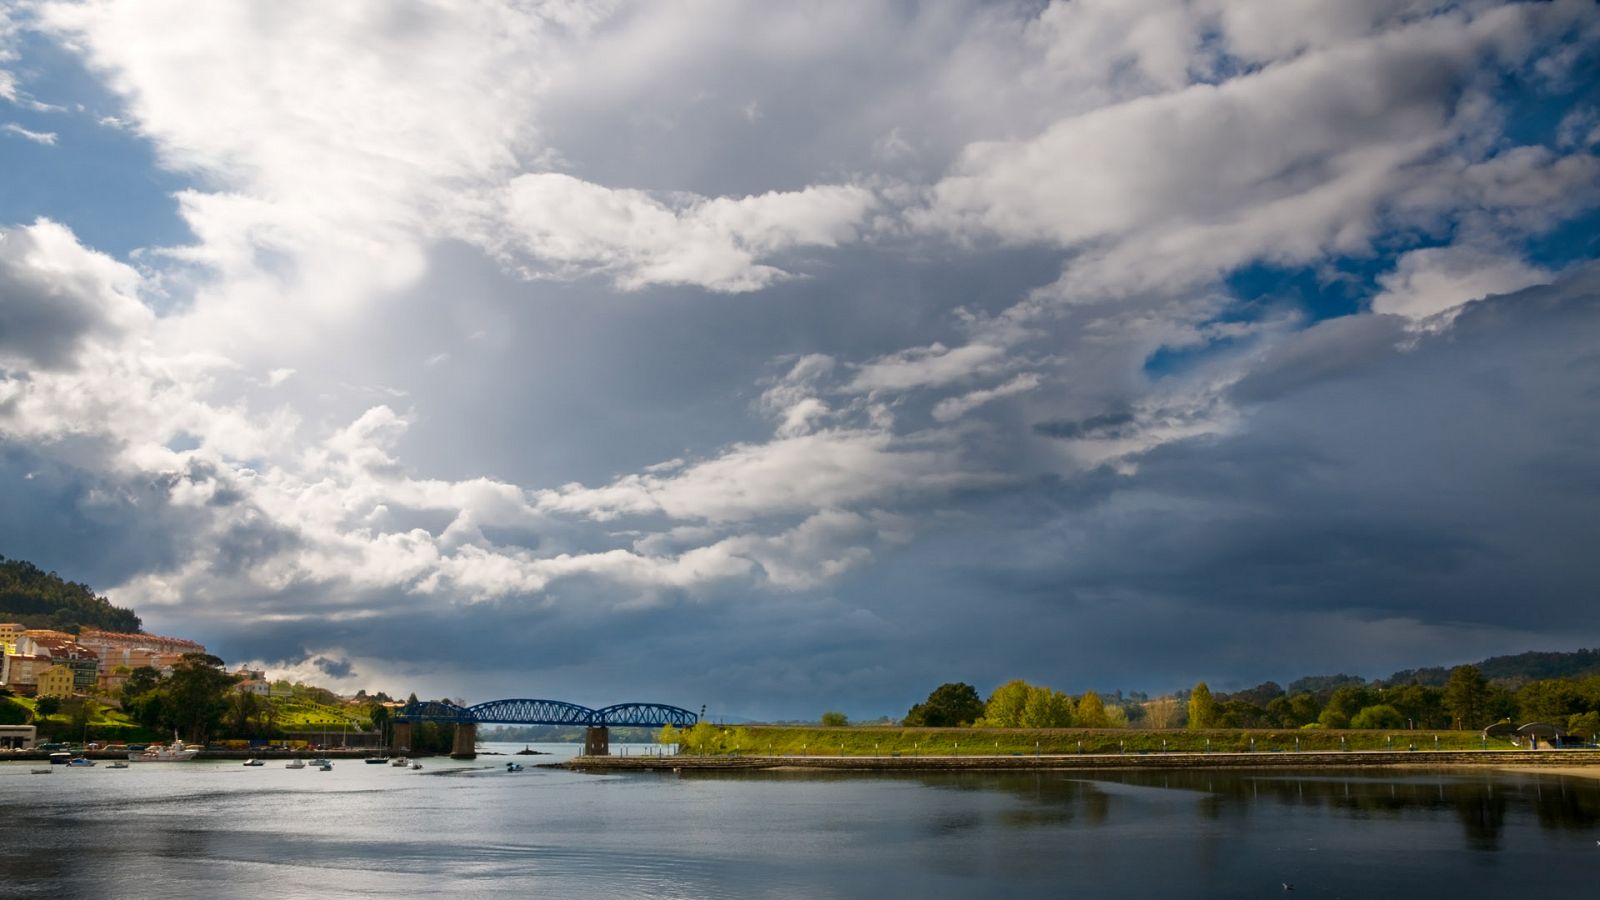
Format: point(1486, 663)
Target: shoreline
point(1585, 763)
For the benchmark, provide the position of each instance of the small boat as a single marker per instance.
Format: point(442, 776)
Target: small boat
point(40, 771)
point(322, 763)
point(119, 764)
point(296, 764)
point(416, 766)
point(60, 758)
point(400, 762)
point(326, 767)
point(513, 767)
point(80, 762)
point(376, 760)
point(253, 762)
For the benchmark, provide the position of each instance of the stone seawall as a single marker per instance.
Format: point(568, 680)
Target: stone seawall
point(1356, 759)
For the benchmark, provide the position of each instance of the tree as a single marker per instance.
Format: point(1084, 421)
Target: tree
point(668, 735)
point(47, 707)
point(1091, 711)
point(1046, 708)
point(196, 696)
point(1005, 706)
point(950, 704)
point(1162, 712)
point(1551, 700)
point(1202, 707)
point(831, 719)
point(1584, 724)
point(1466, 697)
point(1380, 716)
point(243, 707)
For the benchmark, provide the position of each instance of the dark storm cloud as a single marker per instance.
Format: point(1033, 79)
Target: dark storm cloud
point(1439, 495)
point(334, 668)
point(1112, 424)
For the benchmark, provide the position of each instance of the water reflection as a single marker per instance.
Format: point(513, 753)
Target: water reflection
point(1479, 802)
point(377, 832)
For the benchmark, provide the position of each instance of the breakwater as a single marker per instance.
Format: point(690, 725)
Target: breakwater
point(1356, 759)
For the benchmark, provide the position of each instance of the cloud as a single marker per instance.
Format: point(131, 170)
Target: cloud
point(47, 138)
point(1083, 326)
point(574, 226)
point(1167, 191)
point(57, 297)
point(1427, 282)
point(951, 408)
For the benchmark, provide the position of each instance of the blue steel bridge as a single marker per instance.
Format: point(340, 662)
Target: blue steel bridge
point(596, 722)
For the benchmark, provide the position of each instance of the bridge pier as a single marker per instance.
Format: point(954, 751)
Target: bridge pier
point(400, 738)
point(466, 741)
point(597, 741)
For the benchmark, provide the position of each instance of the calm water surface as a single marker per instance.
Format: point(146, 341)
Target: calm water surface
point(474, 830)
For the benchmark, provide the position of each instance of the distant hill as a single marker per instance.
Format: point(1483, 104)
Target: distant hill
point(40, 599)
point(1532, 666)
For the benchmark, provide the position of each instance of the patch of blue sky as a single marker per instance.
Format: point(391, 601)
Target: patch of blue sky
point(1574, 241)
point(1533, 105)
point(98, 177)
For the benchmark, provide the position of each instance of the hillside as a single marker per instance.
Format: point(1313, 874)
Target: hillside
point(40, 599)
point(1513, 669)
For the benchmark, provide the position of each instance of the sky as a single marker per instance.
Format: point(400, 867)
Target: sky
point(780, 358)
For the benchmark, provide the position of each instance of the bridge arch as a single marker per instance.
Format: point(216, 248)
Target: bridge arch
point(531, 712)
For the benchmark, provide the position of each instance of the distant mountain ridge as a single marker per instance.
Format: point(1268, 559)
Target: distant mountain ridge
point(39, 599)
point(1535, 665)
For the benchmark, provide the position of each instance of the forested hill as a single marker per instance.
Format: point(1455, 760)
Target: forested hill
point(1531, 666)
point(40, 599)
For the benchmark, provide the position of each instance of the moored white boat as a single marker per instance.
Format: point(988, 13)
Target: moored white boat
point(400, 762)
point(157, 753)
point(296, 764)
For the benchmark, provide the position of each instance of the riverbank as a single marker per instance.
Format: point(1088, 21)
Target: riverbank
point(1553, 761)
point(339, 754)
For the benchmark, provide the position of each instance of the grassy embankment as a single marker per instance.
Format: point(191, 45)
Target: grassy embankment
point(775, 740)
point(105, 723)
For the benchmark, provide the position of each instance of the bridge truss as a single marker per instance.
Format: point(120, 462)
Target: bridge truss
point(547, 712)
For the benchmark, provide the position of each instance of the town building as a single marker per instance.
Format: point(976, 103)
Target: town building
point(9, 632)
point(56, 681)
point(20, 673)
point(109, 644)
point(18, 737)
point(258, 686)
point(61, 648)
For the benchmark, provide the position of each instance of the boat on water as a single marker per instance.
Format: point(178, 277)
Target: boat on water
point(296, 764)
point(415, 766)
point(177, 752)
point(252, 762)
point(119, 764)
point(513, 767)
point(326, 767)
point(376, 760)
point(39, 771)
point(80, 762)
point(322, 762)
point(60, 758)
point(400, 762)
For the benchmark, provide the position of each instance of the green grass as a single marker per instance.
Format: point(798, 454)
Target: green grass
point(886, 741)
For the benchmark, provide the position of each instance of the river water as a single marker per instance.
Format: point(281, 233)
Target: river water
point(215, 829)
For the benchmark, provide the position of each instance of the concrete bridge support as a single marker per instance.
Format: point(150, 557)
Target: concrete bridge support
point(597, 741)
point(466, 741)
point(400, 738)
